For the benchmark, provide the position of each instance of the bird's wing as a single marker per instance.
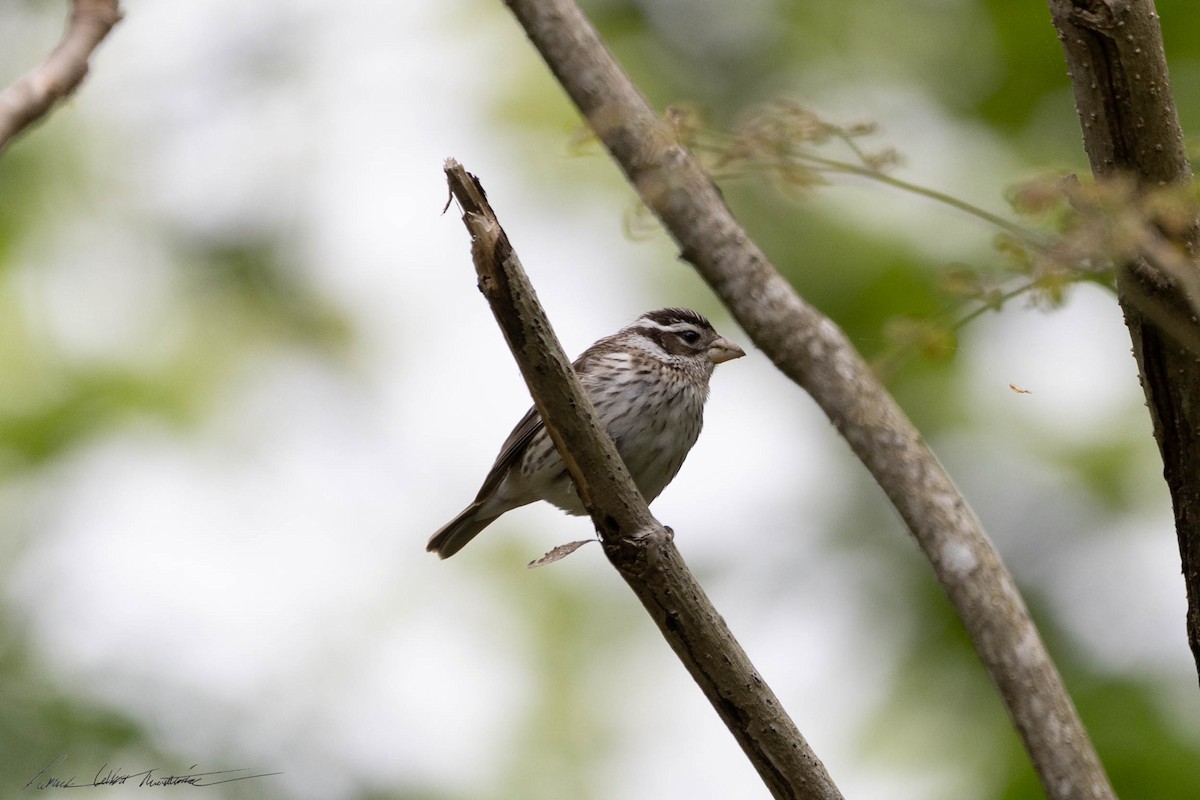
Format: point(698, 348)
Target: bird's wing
point(531, 424)
point(511, 452)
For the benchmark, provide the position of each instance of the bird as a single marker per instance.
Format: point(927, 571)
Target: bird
point(648, 383)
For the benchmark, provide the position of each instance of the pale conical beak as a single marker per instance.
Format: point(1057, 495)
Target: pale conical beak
point(723, 350)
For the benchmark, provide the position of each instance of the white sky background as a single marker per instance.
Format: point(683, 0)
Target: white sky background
point(257, 593)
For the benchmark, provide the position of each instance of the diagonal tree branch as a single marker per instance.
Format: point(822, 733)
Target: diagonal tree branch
point(33, 95)
point(1130, 127)
point(635, 542)
point(816, 354)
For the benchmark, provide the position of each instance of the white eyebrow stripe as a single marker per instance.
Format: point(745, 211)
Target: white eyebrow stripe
point(674, 327)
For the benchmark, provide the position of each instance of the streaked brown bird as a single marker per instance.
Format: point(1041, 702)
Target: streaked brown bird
point(648, 382)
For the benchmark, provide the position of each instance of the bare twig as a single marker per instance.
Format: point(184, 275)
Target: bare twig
point(815, 353)
point(33, 95)
point(635, 542)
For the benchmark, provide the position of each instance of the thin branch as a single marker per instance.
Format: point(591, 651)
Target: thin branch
point(782, 163)
point(1012, 228)
point(816, 354)
point(33, 95)
point(635, 542)
point(887, 364)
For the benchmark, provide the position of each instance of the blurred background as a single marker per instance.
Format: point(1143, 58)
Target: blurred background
point(246, 373)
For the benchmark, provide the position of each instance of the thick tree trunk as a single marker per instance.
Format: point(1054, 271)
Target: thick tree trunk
point(1130, 127)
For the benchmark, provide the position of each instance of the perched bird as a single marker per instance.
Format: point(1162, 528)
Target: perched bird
point(648, 382)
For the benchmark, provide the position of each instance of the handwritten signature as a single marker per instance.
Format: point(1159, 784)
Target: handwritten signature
point(113, 776)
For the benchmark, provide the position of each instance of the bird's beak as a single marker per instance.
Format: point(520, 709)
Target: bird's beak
point(723, 350)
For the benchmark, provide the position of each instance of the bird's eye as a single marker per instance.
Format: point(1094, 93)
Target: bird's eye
point(690, 337)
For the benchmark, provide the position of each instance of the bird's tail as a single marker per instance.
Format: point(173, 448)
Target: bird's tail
point(455, 534)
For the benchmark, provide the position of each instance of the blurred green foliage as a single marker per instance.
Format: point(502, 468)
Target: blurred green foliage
point(239, 300)
point(39, 723)
point(992, 65)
